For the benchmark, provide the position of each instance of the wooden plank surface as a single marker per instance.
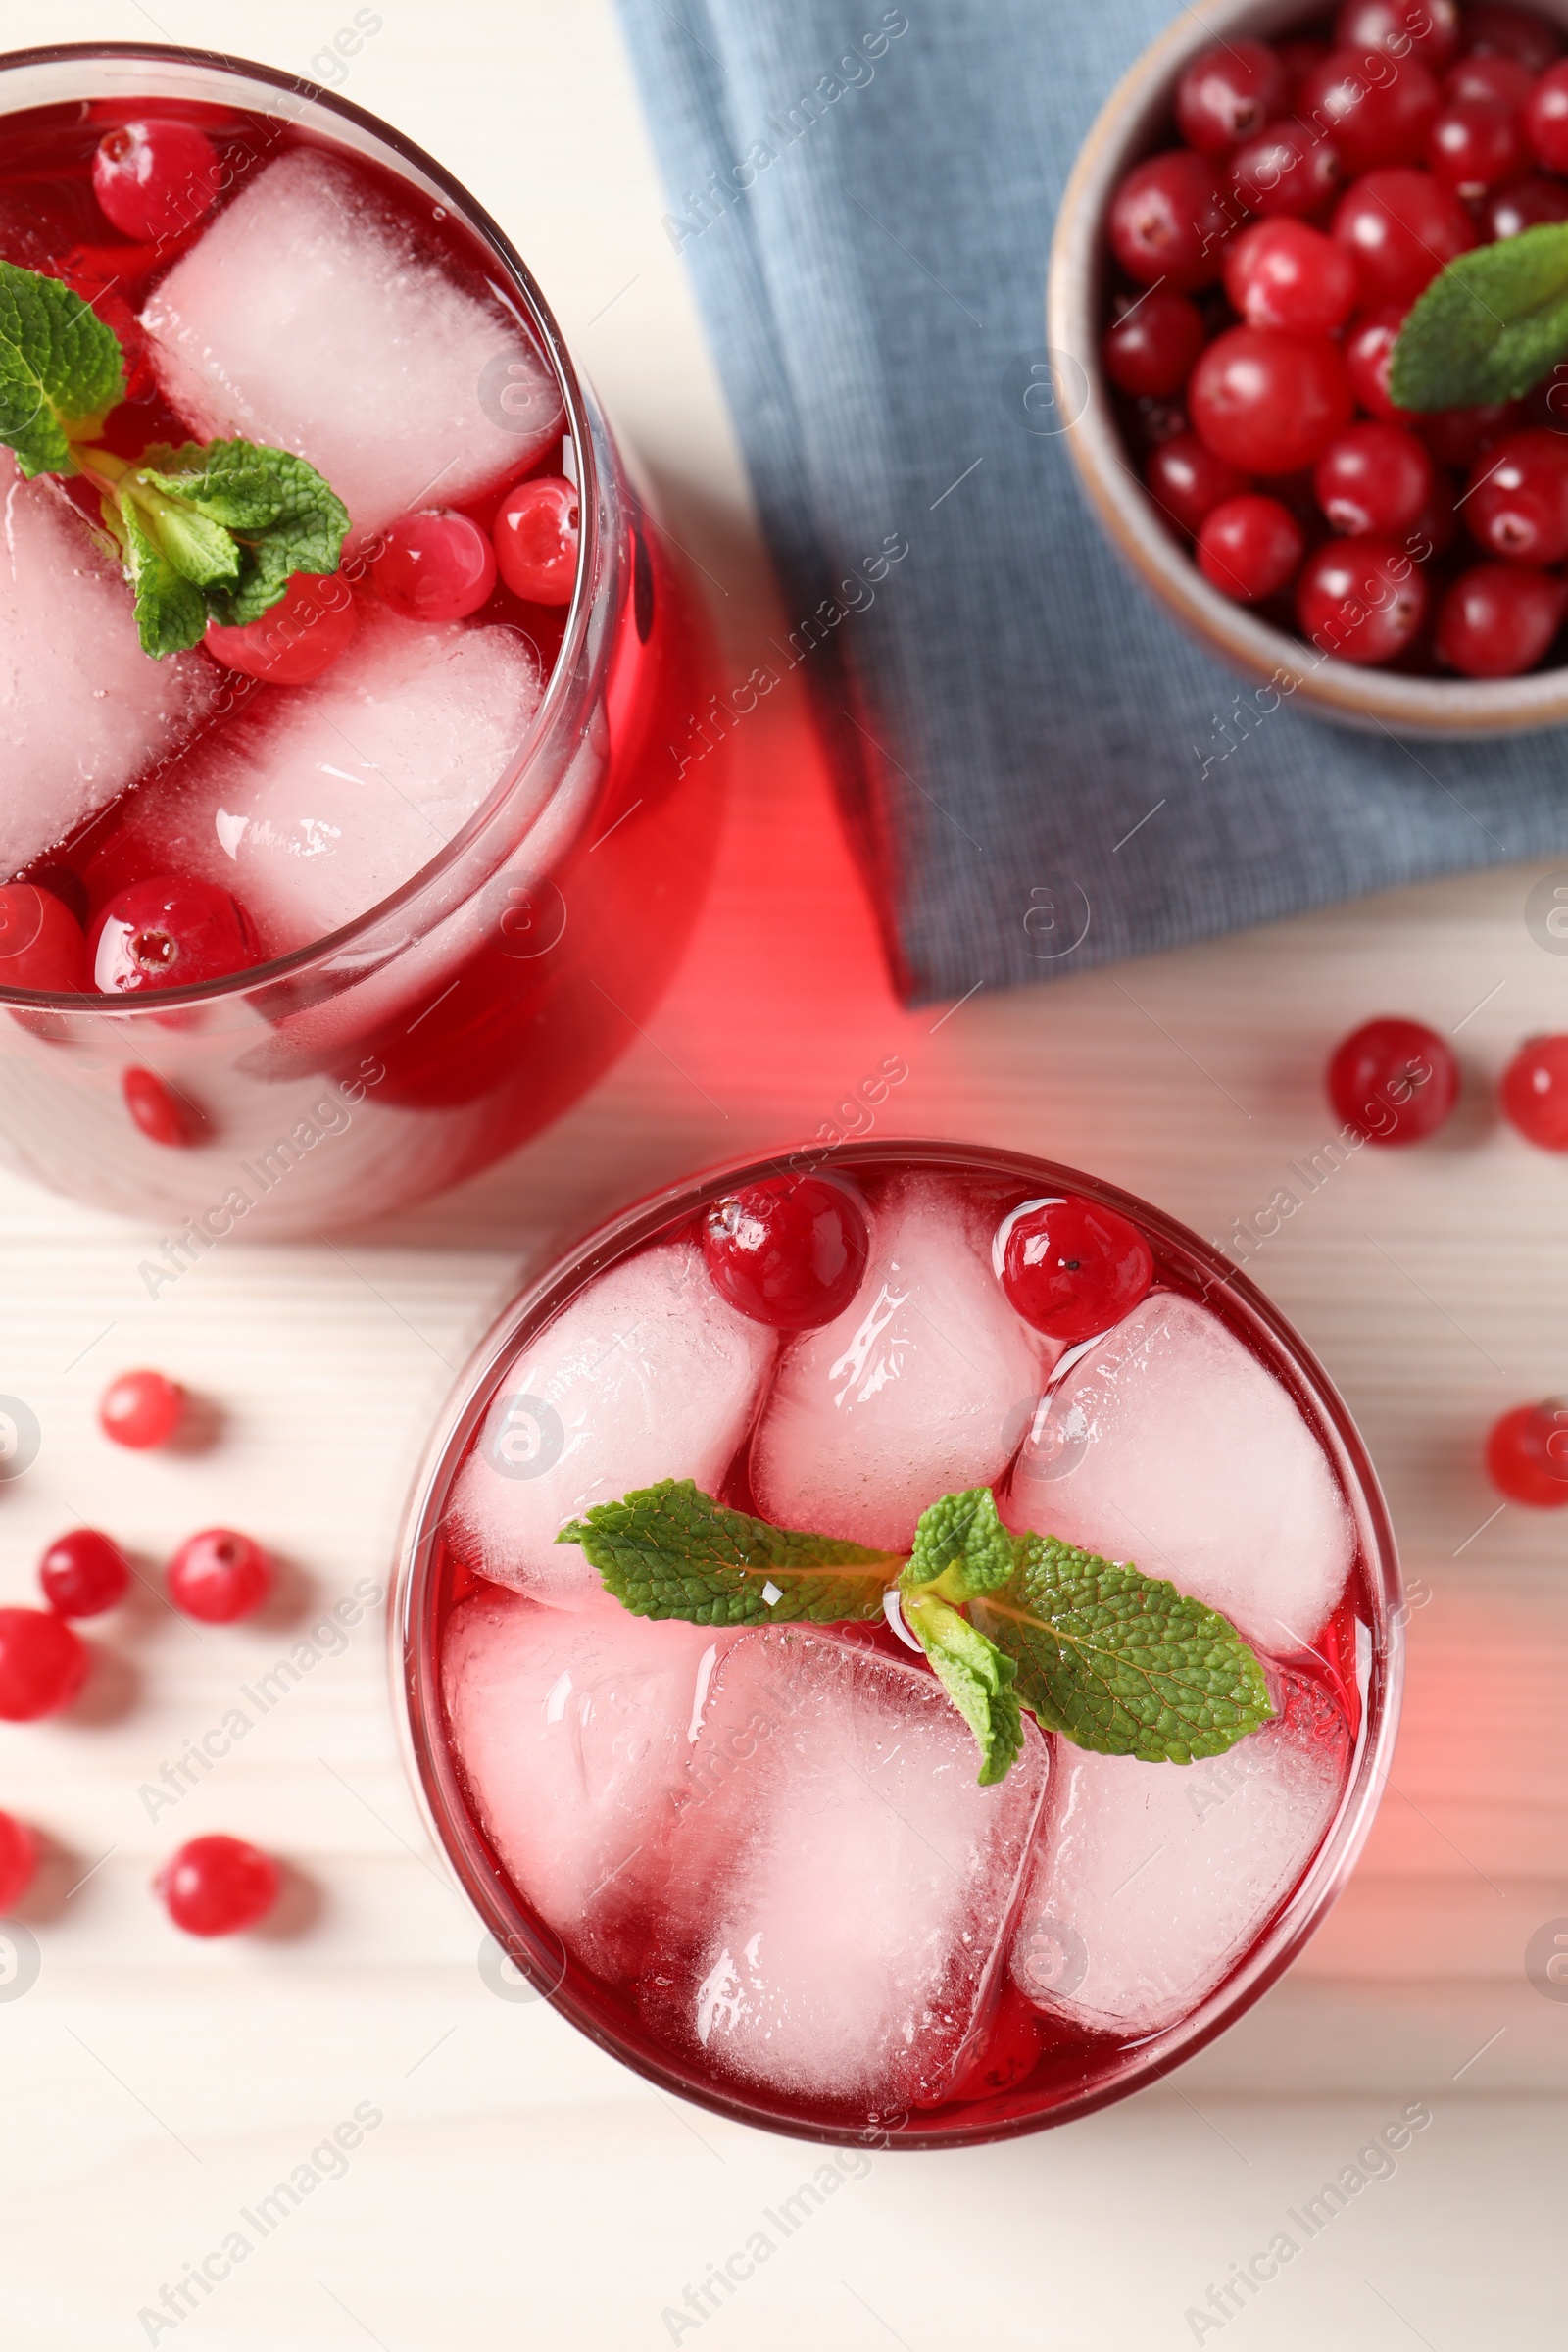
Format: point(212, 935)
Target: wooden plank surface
point(521, 2190)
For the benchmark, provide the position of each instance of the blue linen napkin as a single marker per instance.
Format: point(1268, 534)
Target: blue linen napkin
point(1040, 772)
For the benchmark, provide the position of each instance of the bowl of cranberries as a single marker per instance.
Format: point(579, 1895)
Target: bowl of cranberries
point(1261, 207)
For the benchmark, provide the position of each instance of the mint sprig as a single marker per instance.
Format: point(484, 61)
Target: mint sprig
point(205, 532)
point(1490, 325)
point(1112, 1659)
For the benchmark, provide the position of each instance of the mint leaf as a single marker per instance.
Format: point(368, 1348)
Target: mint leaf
point(200, 551)
point(976, 1675)
point(282, 514)
point(1121, 1662)
point(672, 1551)
point(961, 1547)
point(170, 614)
point(1492, 324)
point(61, 371)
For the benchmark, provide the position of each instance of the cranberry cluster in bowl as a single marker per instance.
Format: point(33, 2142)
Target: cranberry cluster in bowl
point(1254, 213)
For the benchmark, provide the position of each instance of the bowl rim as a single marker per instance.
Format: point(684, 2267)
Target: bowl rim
point(1366, 697)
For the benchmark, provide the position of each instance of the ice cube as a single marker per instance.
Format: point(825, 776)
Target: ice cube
point(1169, 1444)
point(572, 1732)
point(306, 318)
point(317, 802)
point(922, 1386)
point(1154, 1880)
point(648, 1374)
point(83, 711)
point(838, 1887)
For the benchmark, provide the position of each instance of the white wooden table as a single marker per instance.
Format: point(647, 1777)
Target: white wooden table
point(519, 2189)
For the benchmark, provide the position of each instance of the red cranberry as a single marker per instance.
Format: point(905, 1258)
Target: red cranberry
point(1363, 599)
point(1528, 203)
point(1458, 436)
point(160, 1114)
point(1188, 481)
point(1494, 29)
point(1475, 146)
point(43, 1664)
point(536, 531)
point(1266, 401)
point(1368, 349)
point(1533, 1088)
point(1393, 1080)
point(40, 942)
point(1516, 501)
point(1250, 547)
point(1425, 29)
point(1152, 350)
point(1499, 620)
point(1546, 118)
point(19, 1859)
point(1373, 476)
point(1283, 273)
point(141, 1409)
point(83, 1573)
point(435, 567)
point(1375, 108)
point(155, 178)
point(218, 1575)
point(1228, 93)
point(790, 1251)
point(1287, 169)
point(171, 931)
point(1071, 1267)
point(217, 1885)
point(1402, 228)
point(302, 634)
point(1527, 1455)
point(1500, 80)
point(1168, 222)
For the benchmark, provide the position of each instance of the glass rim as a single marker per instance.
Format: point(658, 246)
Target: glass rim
point(564, 685)
point(414, 1670)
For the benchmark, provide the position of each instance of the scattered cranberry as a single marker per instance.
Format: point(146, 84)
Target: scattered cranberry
point(1425, 29)
point(217, 1885)
point(1534, 1090)
point(1368, 349)
point(1072, 1268)
point(83, 1573)
point(1376, 109)
point(1283, 273)
point(1266, 401)
point(790, 1251)
point(171, 931)
point(1528, 203)
point(1250, 547)
point(218, 1575)
point(43, 1664)
point(1402, 228)
point(1362, 600)
point(1494, 28)
point(436, 566)
point(1527, 1455)
point(1227, 93)
point(309, 629)
point(1286, 168)
point(1458, 436)
point(1168, 222)
point(1500, 81)
point(159, 1113)
point(156, 178)
point(1516, 504)
point(1150, 351)
point(40, 942)
point(1498, 619)
point(536, 531)
point(1394, 1080)
point(1373, 477)
point(1188, 481)
point(19, 1859)
point(141, 1409)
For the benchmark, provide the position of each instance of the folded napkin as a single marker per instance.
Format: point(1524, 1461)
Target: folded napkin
point(1039, 769)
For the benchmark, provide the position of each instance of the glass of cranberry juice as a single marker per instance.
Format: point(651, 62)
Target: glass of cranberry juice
point(756, 1865)
point(460, 885)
